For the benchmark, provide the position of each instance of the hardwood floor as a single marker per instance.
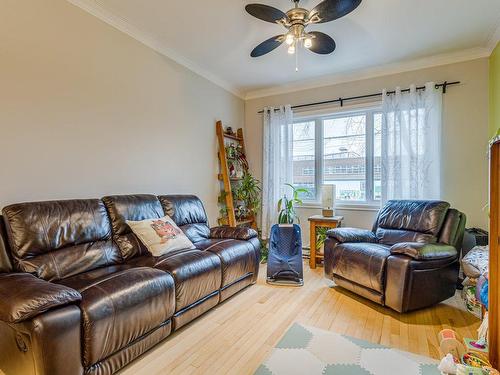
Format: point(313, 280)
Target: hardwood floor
point(235, 337)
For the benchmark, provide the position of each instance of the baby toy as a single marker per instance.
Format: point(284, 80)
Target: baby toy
point(467, 370)
point(450, 344)
point(448, 365)
point(475, 360)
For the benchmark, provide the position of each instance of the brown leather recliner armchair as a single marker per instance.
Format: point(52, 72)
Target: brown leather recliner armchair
point(80, 294)
point(408, 261)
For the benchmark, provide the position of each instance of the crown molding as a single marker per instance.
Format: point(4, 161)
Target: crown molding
point(494, 37)
point(97, 10)
point(94, 8)
point(373, 72)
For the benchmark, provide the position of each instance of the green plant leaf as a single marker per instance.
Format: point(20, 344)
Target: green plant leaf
point(286, 206)
point(302, 190)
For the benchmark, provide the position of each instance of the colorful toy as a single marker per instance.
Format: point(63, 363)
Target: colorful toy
point(472, 304)
point(475, 360)
point(484, 295)
point(468, 370)
point(482, 331)
point(449, 343)
point(448, 365)
point(476, 346)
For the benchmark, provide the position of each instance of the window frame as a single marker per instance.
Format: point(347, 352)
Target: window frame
point(319, 171)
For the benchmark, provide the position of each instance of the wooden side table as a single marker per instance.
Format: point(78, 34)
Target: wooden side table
point(320, 221)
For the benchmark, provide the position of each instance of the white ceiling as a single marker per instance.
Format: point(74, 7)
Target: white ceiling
point(214, 38)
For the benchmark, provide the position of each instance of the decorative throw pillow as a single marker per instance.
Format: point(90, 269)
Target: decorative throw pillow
point(160, 236)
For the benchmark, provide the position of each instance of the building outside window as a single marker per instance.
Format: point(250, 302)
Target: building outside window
point(342, 149)
point(308, 171)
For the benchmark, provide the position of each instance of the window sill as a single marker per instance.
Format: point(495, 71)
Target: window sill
point(343, 206)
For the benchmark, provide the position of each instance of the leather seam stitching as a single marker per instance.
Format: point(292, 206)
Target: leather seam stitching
point(139, 339)
point(110, 277)
point(362, 287)
point(112, 325)
point(248, 274)
point(199, 302)
point(56, 267)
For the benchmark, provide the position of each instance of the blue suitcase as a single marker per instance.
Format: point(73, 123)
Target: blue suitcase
point(284, 264)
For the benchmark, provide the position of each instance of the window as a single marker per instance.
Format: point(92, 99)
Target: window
point(342, 149)
point(304, 154)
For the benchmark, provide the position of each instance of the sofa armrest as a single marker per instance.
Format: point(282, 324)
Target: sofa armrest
point(236, 233)
point(24, 296)
point(343, 235)
point(424, 251)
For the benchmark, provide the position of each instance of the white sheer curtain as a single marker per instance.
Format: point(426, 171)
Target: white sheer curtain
point(411, 144)
point(277, 161)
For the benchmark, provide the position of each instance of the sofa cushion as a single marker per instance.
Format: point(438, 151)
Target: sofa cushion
point(423, 219)
point(134, 208)
point(83, 280)
point(394, 236)
point(363, 263)
point(351, 235)
point(58, 239)
point(188, 213)
point(453, 228)
point(239, 259)
point(120, 307)
point(196, 273)
point(235, 233)
point(423, 251)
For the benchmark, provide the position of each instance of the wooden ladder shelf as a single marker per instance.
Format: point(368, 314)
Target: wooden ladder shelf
point(227, 179)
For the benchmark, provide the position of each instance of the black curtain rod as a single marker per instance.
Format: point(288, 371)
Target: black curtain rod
point(443, 85)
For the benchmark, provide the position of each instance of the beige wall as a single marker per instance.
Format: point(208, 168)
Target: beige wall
point(465, 137)
point(86, 110)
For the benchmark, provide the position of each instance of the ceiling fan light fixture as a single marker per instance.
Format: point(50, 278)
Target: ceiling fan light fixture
point(308, 42)
point(296, 20)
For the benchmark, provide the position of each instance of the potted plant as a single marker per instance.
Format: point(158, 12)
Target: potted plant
point(286, 206)
point(248, 193)
point(236, 160)
point(321, 238)
point(264, 249)
point(240, 212)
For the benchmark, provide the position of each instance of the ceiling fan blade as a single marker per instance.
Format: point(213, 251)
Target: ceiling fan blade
point(267, 46)
point(265, 12)
point(330, 10)
point(322, 43)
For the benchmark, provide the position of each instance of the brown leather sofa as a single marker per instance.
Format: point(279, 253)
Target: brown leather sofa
point(79, 293)
point(409, 260)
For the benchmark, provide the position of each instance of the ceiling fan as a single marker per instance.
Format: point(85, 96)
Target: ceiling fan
point(296, 20)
